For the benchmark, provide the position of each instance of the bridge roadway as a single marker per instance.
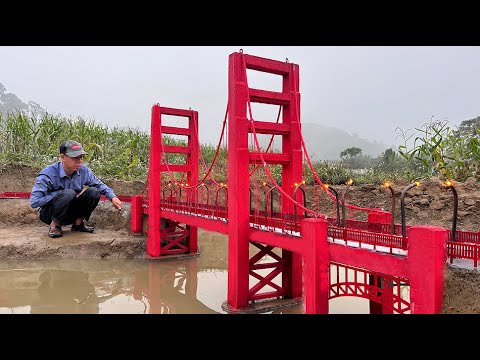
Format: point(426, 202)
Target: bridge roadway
point(285, 233)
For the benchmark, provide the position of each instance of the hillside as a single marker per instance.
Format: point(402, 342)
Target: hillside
point(326, 143)
point(10, 102)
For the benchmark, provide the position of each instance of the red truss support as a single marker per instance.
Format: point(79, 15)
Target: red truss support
point(168, 237)
point(240, 266)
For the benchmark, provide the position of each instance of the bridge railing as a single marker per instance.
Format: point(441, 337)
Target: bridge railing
point(366, 237)
point(459, 250)
point(466, 246)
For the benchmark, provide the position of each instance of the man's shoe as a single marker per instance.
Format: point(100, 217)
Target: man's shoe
point(56, 232)
point(82, 228)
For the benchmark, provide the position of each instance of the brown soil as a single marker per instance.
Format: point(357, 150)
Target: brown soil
point(22, 235)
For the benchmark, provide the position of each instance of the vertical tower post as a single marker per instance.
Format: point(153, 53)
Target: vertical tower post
point(238, 185)
point(192, 175)
point(154, 176)
point(291, 174)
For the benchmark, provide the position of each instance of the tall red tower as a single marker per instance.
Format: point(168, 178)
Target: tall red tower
point(240, 263)
point(168, 232)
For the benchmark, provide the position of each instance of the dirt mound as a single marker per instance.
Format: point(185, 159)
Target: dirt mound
point(17, 178)
point(428, 204)
point(462, 291)
point(24, 236)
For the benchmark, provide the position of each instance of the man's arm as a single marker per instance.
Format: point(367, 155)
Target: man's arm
point(117, 203)
point(92, 180)
point(40, 194)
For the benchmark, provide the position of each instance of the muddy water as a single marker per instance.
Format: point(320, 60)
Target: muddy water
point(195, 285)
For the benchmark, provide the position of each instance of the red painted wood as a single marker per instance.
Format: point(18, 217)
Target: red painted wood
point(292, 171)
point(374, 219)
point(192, 175)
point(426, 260)
point(270, 97)
point(238, 185)
point(190, 168)
point(175, 130)
point(267, 127)
point(136, 215)
point(371, 260)
point(175, 112)
point(176, 149)
point(267, 65)
point(153, 232)
point(270, 158)
point(316, 266)
point(291, 243)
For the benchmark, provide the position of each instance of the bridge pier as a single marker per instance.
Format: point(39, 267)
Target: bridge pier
point(316, 266)
point(427, 250)
point(136, 215)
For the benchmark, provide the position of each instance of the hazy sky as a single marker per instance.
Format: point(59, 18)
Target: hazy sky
point(368, 91)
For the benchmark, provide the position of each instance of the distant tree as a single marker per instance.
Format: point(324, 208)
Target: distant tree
point(469, 128)
point(350, 153)
point(389, 156)
point(352, 158)
point(390, 160)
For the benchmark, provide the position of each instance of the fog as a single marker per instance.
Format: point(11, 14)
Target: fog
point(368, 91)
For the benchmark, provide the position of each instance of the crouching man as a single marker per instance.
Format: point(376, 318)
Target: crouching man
point(67, 192)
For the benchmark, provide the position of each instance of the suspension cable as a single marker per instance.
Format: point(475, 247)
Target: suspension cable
point(201, 156)
point(217, 150)
point(271, 139)
point(310, 162)
point(262, 158)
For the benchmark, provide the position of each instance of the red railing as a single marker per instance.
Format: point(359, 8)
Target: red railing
point(466, 246)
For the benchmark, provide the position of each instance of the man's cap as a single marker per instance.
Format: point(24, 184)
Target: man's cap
point(72, 148)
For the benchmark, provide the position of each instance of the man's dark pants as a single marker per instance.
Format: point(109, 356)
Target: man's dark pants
point(65, 208)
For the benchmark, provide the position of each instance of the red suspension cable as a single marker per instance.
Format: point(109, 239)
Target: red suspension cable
point(311, 166)
point(263, 160)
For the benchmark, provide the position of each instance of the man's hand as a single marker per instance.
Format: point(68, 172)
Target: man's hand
point(117, 203)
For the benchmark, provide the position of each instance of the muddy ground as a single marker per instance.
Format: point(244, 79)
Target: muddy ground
point(430, 203)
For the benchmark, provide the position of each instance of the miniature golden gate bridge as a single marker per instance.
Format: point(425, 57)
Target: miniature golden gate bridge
point(302, 254)
point(308, 243)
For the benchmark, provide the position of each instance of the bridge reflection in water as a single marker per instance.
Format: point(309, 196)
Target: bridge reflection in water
point(195, 285)
point(126, 287)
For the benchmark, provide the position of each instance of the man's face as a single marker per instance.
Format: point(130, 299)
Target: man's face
point(71, 164)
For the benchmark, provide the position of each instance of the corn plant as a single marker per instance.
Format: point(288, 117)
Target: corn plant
point(442, 151)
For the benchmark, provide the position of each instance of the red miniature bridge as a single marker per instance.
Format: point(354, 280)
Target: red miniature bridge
point(299, 245)
point(315, 258)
